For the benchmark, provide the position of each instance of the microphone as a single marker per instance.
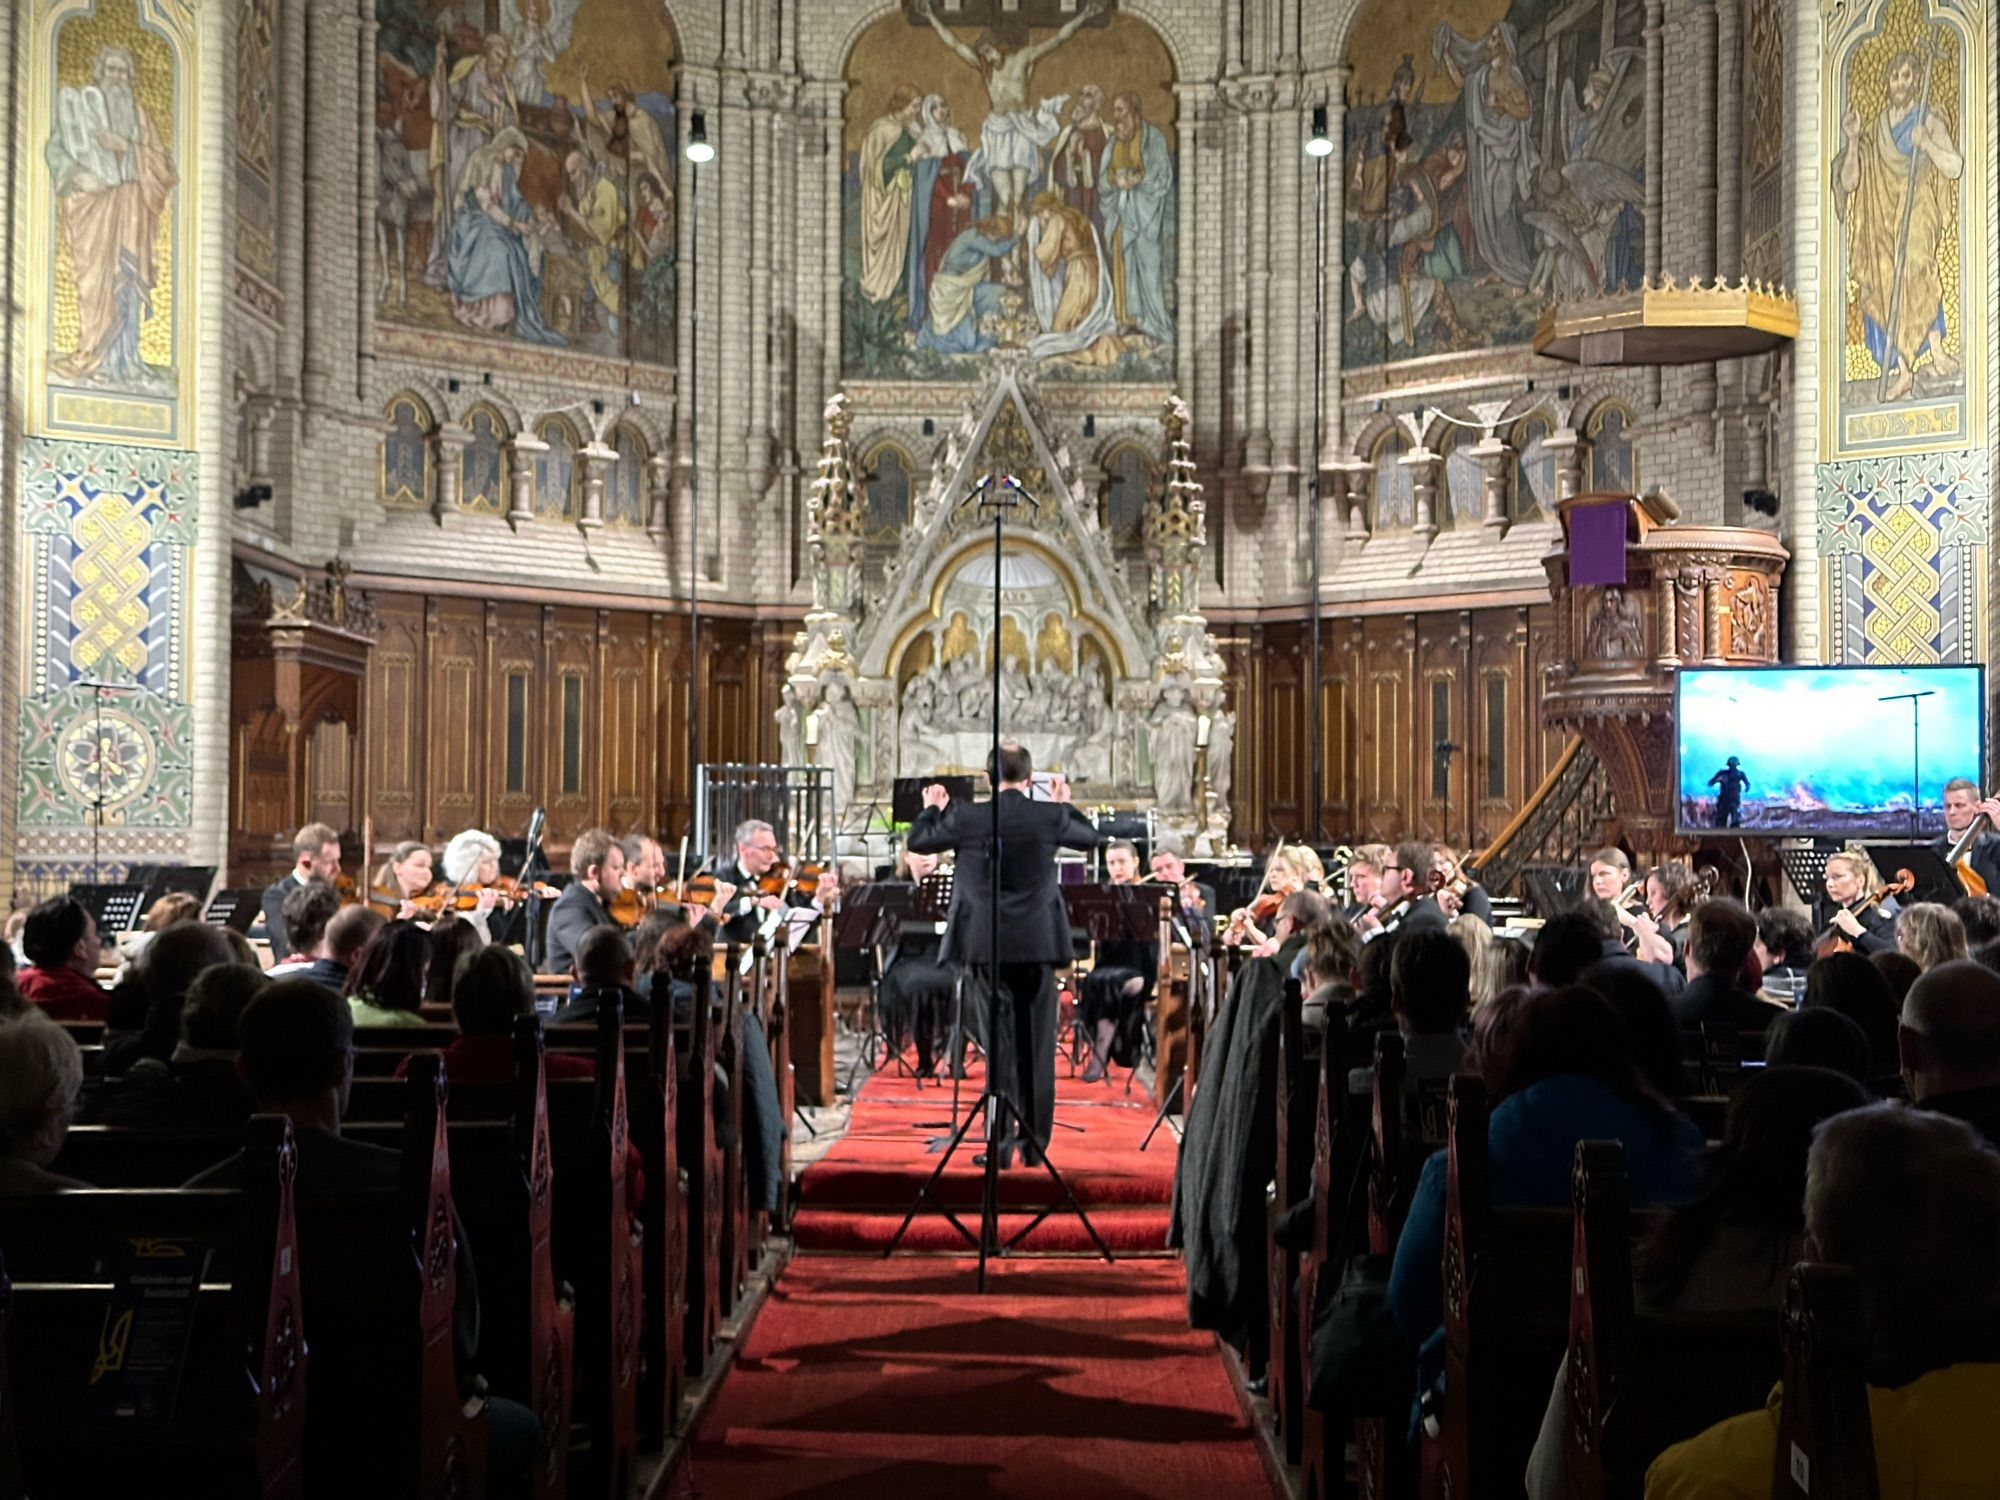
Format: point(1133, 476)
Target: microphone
point(1444, 747)
point(104, 687)
point(535, 830)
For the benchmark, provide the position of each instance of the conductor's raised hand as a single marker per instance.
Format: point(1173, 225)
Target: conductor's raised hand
point(936, 796)
point(1058, 788)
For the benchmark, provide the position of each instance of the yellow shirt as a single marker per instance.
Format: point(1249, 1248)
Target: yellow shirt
point(1933, 1441)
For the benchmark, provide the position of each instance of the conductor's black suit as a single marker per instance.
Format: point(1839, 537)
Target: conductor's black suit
point(1034, 929)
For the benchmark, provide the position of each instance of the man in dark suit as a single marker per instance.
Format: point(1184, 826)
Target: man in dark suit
point(1720, 937)
point(1962, 807)
point(1033, 924)
point(1195, 901)
point(598, 864)
point(315, 856)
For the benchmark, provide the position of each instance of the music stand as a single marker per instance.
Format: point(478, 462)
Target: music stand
point(113, 906)
point(235, 909)
point(865, 918)
point(1936, 881)
point(997, 493)
point(1113, 914)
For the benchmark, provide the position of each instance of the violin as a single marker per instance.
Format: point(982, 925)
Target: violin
point(629, 905)
point(511, 893)
point(1263, 905)
point(1833, 940)
point(345, 888)
point(1400, 907)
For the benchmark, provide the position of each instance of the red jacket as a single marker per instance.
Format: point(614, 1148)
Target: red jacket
point(64, 994)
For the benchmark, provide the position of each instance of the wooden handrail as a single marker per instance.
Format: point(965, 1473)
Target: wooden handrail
point(1541, 794)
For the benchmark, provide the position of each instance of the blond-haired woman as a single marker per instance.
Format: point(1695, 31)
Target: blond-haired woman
point(1846, 909)
point(1930, 933)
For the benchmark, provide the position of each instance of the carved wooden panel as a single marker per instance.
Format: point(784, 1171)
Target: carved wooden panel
point(330, 774)
point(572, 721)
point(628, 748)
point(395, 720)
point(455, 639)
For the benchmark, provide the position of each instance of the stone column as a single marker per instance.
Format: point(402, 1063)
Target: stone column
point(1356, 479)
point(448, 445)
point(1496, 461)
point(659, 491)
point(597, 461)
point(364, 227)
point(522, 451)
point(1566, 448)
point(1424, 465)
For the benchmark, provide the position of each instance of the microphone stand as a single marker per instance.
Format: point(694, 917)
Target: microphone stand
point(997, 494)
point(1916, 760)
point(532, 940)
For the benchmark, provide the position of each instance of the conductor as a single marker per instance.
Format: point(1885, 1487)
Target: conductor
point(1034, 925)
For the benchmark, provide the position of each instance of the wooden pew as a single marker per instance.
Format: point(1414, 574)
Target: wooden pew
point(653, 1088)
point(1320, 1454)
point(240, 1413)
point(738, 988)
point(808, 1021)
point(1826, 1440)
point(1506, 1319)
point(1638, 1383)
point(701, 1154)
point(790, 1002)
point(598, 1251)
point(1292, 1176)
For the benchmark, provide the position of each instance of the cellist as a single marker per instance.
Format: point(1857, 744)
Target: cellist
point(1963, 811)
point(1846, 910)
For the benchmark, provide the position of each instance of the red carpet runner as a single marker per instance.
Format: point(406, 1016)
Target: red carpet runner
point(880, 1380)
point(855, 1197)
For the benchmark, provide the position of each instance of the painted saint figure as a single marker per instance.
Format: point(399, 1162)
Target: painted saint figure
point(1504, 161)
point(1895, 190)
point(1136, 194)
point(493, 283)
point(1073, 162)
point(962, 293)
point(112, 181)
point(1011, 141)
point(471, 104)
point(941, 200)
point(886, 185)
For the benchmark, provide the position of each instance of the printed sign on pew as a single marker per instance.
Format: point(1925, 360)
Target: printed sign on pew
point(142, 1347)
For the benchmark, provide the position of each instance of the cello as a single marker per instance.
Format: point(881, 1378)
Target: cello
point(1833, 940)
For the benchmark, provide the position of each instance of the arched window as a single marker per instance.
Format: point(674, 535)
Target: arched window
point(405, 477)
point(1534, 468)
point(886, 493)
point(1128, 489)
point(555, 472)
point(482, 482)
point(1613, 465)
point(1395, 491)
point(625, 485)
point(1461, 478)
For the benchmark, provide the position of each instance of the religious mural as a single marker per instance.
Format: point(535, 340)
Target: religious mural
point(257, 138)
point(111, 328)
point(1905, 225)
point(1010, 186)
point(1905, 486)
point(526, 172)
point(1495, 163)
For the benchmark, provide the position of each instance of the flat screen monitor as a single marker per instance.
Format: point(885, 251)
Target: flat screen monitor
point(1843, 752)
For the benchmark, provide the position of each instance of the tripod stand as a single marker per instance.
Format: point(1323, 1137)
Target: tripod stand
point(996, 494)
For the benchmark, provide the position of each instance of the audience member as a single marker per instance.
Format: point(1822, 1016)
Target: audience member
point(1949, 1044)
point(495, 988)
point(1850, 984)
point(1657, 1045)
point(307, 910)
point(1569, 943)
point(667, 947)
point(1719, 939)
point(1930, 934)
point(60, 941)
point(172, 962)
point(11, 1003)
point(1980, 916)
point(1784, 952)
point(1484, 949)
point(350, 931)
point(1331, 973)
point(1731, 1248)
point(16, 922)
point(1988, 953)
point(1562, 1072)
point(1909, 1201)
point(452, 939)
point(385, 987)
point(199, 1085)
point(41, 1075)
point(1430, 980)
point(602, 965)
point(172, 908)
point(1819, 1038)
point(315, 856)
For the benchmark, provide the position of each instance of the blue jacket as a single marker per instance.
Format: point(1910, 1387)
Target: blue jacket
point(1531, 1145)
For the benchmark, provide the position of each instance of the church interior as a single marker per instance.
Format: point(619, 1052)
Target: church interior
point(562, 556)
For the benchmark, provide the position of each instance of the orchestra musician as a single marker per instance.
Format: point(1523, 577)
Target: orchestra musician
point(472, 863)
point(913, 997)
point(1113, 1004)
point(1405, 899)
point(1845, 909)
point(1023, 898)
point(315, 856)
point(1194, 901)
point(1671, 890)
point(405, 875)
point(1610, 875)
point(751, 871)
point(1364, 879)
point(1460, 892)
point(597, 864)
point(1963, 806)
point(1292, 868)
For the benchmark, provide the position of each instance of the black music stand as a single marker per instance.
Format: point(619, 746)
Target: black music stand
point(1113, 914)
point(865, 919)
point(113, 906)
point(1936, 880)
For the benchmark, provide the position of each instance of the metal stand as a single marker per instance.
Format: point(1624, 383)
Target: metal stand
point(1916, 760)
point(997, 493)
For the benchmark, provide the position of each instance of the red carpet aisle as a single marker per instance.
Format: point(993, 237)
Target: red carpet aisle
point(855, 1197)
point(892, 1380)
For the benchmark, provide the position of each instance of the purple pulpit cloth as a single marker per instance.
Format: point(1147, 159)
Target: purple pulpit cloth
point(1597, 544)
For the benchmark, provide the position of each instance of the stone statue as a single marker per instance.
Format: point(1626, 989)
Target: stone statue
point(791, 730)
point(839, 739)
point(1172, 725)
point(1221, 753)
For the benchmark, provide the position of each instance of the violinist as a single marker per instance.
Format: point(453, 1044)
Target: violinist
point(405, 875)
point(1870, 926)
point(1460, 892)
point(1671, 891)
point(1610, 876)
point(754, 871)
point(1364, 880)
point(597, 864)
point(472, 866)
point(1292, 868)
point(1406, 897)
point(1194, 901)
point(1963, 808)
point(315, 856)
